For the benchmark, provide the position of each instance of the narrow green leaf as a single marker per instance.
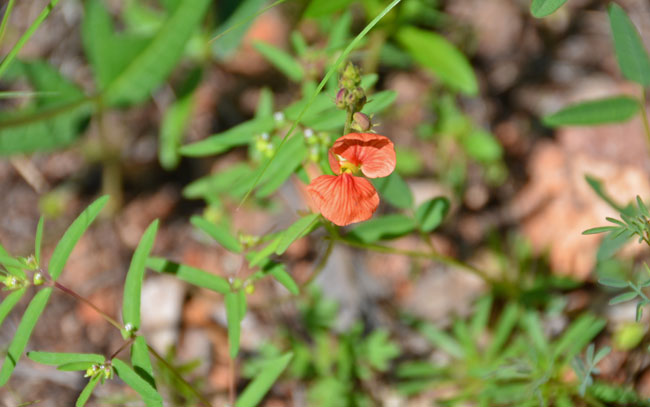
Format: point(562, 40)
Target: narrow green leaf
point(87, 391)
point(481, 316)
point(265, 104)
point(152, 65)
point(234, 316)
point(281, 60)
point(135, 275)
point(23, 332)
point(384, 227)
point(630, 52)
point(140, 360)
point(434, 52)
point(431, 213)
point(257, 389)
point(171, 131)
point(602, 111)
point(532, 325)
point(239, 135)
point(395, 190)
point(260, 256)
point(218, 232)
point(612, 282)
point(10, 262)
point(9, 302)
point(72, 236)
point(59, 358)
point(582, 331)
point(321, 8)
point(287, 162)
point(13, 269)
point(504, 327)
point(280, 273)
point(220, 182)
point(442, 340)
point(75, 366)
point(380, 101)
point(189, 274)
point(543, 8)
point(295, 232)
point(601, 229)
point(623, 298)
point(38, 240)
point(236, 27)
point(137, 383)
point(482, 146)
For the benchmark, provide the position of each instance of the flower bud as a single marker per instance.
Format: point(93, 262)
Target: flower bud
point(38, 279)
point(236, 284)
point(340, 99)
point(361, 122)
point(249, 289)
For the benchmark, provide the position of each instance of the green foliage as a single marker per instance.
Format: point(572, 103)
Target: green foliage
point(584, 369)
point(437, 54)
point(543, 8)
point(299, 229)
point(189, 274)
point(384, 227)
point(431, 213)
point(235, 313)
point(51, 120)
point(134, 277)
point(602, 111)
point(281, 60)
point(59, 359)
point(630, 52)
point(148, 393)
point(269, 373)
point(395, 190)
point(219, 233)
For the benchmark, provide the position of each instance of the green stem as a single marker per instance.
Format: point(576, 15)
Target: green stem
point(5, 19)
point(644, 116)
point(175, 372)
point(26, 36)
point(348, 122)
point(90, 304)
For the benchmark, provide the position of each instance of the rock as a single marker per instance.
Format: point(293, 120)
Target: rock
point(162, 300)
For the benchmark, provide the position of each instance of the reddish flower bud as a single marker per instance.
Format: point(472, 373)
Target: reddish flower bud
point(361, 122)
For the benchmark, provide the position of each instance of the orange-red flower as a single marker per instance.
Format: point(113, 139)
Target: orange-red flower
point(347, 198)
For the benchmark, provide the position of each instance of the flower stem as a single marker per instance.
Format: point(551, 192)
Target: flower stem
point(88, 303)
point(348, 122)
point(644, 116)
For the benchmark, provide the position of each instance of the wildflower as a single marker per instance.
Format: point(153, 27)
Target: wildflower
point(347, 197)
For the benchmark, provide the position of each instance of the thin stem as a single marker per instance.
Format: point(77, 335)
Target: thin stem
point(125, 345)
point(320, 266)
point(5, 19)
point(348, 122)
point(90, 304)
point(644, 116)
point(412, 253)
point(26, 36)
point(178, 375)
point(231, 383)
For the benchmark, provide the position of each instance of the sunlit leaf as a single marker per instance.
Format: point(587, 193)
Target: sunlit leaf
point(384, 227)
point(630, 52)
point(59, 358)
point(257, 389)
point(281, 60)
point(593, 112)
point(543, 8)
point(189, 274)
point(137, 383)
point(234, 315)
point(9, 302)
point(295, 232)
point(395, 190)
point(87, 391)
point(431, 213)
point(220, 233)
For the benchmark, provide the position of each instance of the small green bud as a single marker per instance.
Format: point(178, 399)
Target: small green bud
point(38, 279)
point(237, 284)
point(361, 122)
point(629, 335)
point(278, 117)
point(249, 289)
point(314, 154)
point(92, 371)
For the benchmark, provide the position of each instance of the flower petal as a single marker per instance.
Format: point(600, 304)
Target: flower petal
point(344, 199)
point(375, 153)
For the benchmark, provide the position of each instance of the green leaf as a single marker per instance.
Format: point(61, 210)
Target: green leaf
point(87, 391)
point(236, 27)
point(295, 232)
point(582, 331)
point(9, 302)
point(234, 316)
point(140, 360)
point(630, 52)
point(189, 274)
point(12, 267)
point(134, 277)
point(72, 235)
point(395, 190)
point(279, 272)
point(23, 332)
point(38, 240)
point(442, 340)
point(172, 129)
point(384, 227)
point(47, 123)
point(532, 325)
point(137, 383)
point(321, 8)
point(259, 257)
point(220, 233)
point(431, 213)
point(281, 60)
point(609, 110)
point(612, 282)
point(239, 135)
point(10, 262)
point(543, 8)
point(257, 389)
point(75, 366)
point(58, 358)
point(380, 350)
point(623, 298)
point(265, 104)
point(602, 229)
point(380, 101)
point(437, 54)
point(482, 146)
point(287, 161)
point(220, 182)
point(148, 69)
